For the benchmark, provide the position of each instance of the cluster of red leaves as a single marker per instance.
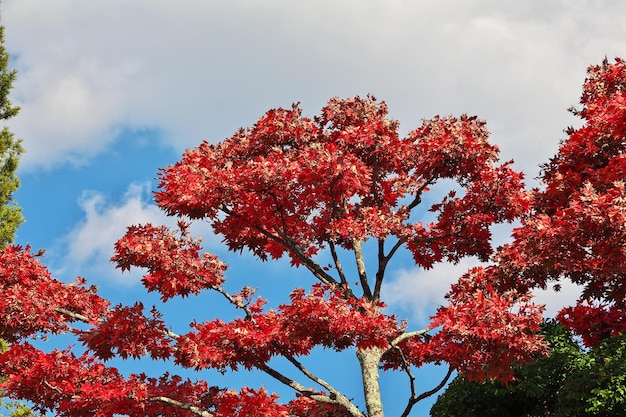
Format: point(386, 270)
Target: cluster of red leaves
point(175, 266)
point(73, 386)
point(126, 332)
point(322, 317)
point(34, 303)
point(594, 322)
point(485, 332)
point(290, 184)
point(248, 403)
point(32, 300)
point(583, 241)
point(216, 401)
point(577, 230)
point(80, 386)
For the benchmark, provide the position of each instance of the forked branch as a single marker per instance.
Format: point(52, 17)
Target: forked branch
point(335, 396)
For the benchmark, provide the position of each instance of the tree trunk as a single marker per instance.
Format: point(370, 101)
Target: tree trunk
point(369, 360)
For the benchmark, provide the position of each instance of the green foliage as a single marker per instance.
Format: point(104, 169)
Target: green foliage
point(18, 410)
point(10, 150)
point(569, 382)
point(598, 384)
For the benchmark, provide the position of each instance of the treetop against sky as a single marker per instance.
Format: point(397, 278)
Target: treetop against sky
point(298, 187)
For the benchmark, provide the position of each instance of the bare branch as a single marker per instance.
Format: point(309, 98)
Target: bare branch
point(335, 396)
point(383, 261)
point(418, 195)
point(285, 240)
point(286, 380)
point(408, 335)
point(234, 302)
point(337, 262)
point(415, 399)
point(191, 408)
point(73, 315)
point(295, 248)
point(382, 265)
point(395, 248)
point(443, 382)
point(357, 245)
point(338, 397)
point(310, 375)
point(407, 369)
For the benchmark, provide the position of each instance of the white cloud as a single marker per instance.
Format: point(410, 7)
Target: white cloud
point(87, 249)
point(200, 69)
point(419, 292)
point(89, 245)
point(555, 301)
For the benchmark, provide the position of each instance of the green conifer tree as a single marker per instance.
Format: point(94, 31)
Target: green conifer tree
point(10, 150)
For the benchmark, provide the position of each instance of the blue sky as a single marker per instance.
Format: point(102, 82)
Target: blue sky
point(112, 90)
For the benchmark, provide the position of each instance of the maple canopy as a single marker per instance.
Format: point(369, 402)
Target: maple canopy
point(577, 231)
point(339, 189)
point(578, 226)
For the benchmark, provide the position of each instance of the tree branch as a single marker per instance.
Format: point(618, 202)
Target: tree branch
point(335, 396)
point(357, 245)
point(234, 302)
point(311, 376)
point(337, 262)
point(382, 265)
point(395, 248)
point(407, 369)
point(293, 246)
point(191, 408)
point(383, 261)
point(415, 399)
point(76, 316)
point(407, 335)
point(418, 195)
point(85, 319)
point(288, 381)
point(443, 382)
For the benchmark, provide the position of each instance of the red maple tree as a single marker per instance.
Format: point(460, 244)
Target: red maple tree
point(340, 186)
point(578, 227)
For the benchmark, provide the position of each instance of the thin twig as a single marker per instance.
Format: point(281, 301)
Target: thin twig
point(415, 399)
point(295, 248)
point(407, 369)
point(234, 302)
point(337, 262)
point(437, 388)
point(418, 196)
